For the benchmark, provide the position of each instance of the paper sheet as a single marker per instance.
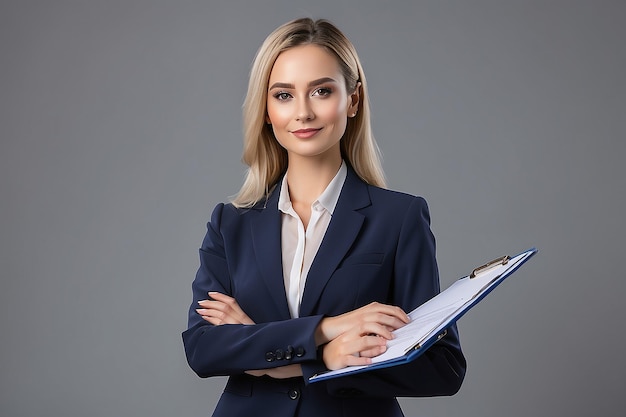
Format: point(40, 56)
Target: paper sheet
point(434, 316)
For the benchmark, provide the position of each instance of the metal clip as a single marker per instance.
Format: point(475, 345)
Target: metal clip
point(503, 260)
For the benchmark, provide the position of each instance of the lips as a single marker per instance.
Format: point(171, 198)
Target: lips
point(305, 133)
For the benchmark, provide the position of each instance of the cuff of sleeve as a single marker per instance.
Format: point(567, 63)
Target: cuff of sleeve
point(314, 367)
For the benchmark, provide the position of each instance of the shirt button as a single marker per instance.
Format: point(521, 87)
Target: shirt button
point(294, 394)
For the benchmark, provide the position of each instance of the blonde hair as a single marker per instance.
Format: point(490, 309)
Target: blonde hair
point(265, 157)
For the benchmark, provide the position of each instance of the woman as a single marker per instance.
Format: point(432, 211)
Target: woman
point(313, 264)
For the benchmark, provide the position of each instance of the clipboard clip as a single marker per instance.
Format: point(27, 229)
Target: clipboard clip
point(418, 345)
point(503, 260)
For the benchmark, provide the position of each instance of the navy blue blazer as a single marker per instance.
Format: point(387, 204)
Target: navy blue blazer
point(378, 247)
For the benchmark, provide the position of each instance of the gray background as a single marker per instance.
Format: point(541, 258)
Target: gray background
point(120, 130)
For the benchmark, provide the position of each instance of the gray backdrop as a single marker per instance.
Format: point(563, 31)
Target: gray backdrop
point(120, 130)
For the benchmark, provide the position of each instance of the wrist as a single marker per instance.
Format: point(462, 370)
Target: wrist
point(321, 331)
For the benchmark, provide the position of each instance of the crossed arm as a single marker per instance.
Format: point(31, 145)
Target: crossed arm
point(349, 339)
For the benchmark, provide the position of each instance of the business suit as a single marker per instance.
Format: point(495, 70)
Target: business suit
point(378, 247)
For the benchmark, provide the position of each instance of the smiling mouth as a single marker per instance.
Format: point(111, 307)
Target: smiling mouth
point(305, 133)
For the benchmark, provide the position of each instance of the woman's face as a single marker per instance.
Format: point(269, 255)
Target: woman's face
point(307, 102)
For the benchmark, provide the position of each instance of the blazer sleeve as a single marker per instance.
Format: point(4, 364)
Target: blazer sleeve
point(441, 369)
point(233, 349)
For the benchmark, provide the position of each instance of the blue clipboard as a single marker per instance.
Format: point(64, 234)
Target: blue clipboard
point(430, 320)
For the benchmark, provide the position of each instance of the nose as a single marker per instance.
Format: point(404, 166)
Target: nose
point(304, 111)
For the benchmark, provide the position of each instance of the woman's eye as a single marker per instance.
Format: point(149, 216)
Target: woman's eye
point(324, 91)
point(282, 96)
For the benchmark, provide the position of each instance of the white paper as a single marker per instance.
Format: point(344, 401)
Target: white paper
point(433, 317)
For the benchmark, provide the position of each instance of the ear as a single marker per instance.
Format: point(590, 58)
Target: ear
point(355, 98)
point(267, 119)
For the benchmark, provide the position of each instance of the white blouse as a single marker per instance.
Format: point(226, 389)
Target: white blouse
point(299, 246)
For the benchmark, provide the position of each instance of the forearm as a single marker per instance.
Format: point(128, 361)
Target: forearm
point(234, 348)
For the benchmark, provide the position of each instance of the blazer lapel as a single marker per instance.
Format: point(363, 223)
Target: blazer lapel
point(343, 229)
point(267, 248)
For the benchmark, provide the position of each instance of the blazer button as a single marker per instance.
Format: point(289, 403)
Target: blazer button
point(279, 354)
point(289, 353)
point(269, 356)
point(294, 394)
point(300, 352)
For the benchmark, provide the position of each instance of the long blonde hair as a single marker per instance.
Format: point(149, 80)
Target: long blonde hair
point(265, 157)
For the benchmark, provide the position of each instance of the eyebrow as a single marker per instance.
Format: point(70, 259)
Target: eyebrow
point(313, 83)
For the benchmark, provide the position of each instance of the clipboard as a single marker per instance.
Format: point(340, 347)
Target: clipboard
point(430, 320)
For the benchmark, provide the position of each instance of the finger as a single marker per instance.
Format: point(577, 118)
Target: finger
point(227, 310)
point(219, 317)
point(390, 316)
point(334, 362)
point(218, 296)
point(230, 305)
point(344, 350)
point(353, 346)
point(389, 310)
point(211, 313)
point(225, 303)
point(214, 321)
point(394, 315)
point(374, 329)
point(350, 354)
point(373, 352)
point(357, 361)
point(217, 321)
point(212, 316)
point(370, 346)
point(389, 322)
point(224, 314)
point(214, 305)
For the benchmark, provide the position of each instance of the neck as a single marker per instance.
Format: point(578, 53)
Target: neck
point(309, 177)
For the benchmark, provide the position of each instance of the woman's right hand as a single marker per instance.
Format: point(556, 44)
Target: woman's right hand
point(355, 337)
point(222, 309)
